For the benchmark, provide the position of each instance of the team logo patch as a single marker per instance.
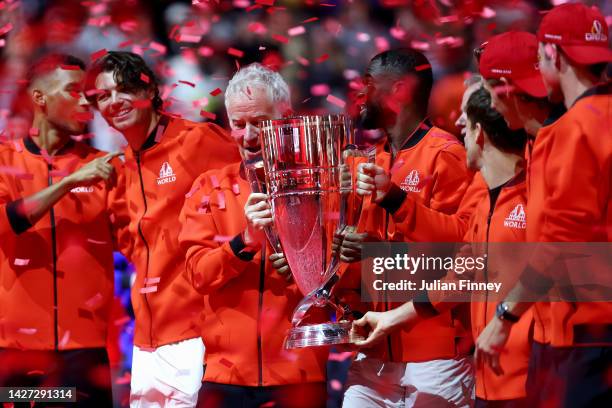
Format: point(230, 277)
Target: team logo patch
point(166, 174)
point(596, 33)
point(411, 182)
point(82, 189)
point(516, 218)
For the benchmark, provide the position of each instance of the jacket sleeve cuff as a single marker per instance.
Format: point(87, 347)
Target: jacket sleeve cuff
point(240, 249)
point(423, 306)
point(394, 198)
point(19, 222)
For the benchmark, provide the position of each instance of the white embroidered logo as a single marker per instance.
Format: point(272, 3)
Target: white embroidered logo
point(596, 33)
point(411, 182)
point(516, 218)
point(166, 174)
point(82, 189)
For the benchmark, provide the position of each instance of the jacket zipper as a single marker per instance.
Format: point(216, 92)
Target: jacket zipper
point(144, 199)
point(486, 274)
point(54, 257)
point(386, 307)
point(262, 270)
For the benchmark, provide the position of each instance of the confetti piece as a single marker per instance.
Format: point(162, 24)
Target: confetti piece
point(235, 52)
point(265, 2)
point(322, 58)
point(363, 37)
point(268, 404)
point(208, 115)
point(191, 84)
point(8, 27)
point(122, 321)
point(98, 54)
point(450, 41)
point(149, 289)
point(94, 301)
point(280, 38)
point(336, 101)
point(397, 33)
point(257, 28)
point(419, 45)
point(125, 44)
point(144, 78)
point(215, 92)
point(310, 20)
point(488, 12)
point(27, 330)
point(159, 133)
point(189, 38)
point(340, 356)
point(126, 378)
point(320, 90)
point(160, 48)
point(64, 340)
point(33, 131)
point(335, 385)
point(35, 372)
point(93, 241)
point(59, 173)
point(193, 190)
point(221, 200)
point(422, 67)
point(236, 188)
point(296, 31)
point(149, 281)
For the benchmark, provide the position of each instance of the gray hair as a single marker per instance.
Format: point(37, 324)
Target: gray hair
point(258, 76)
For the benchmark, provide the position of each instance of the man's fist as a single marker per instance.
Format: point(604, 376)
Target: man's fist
point(258, 214)
point(372, 179)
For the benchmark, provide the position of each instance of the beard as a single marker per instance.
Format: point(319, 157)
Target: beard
point(372, 117)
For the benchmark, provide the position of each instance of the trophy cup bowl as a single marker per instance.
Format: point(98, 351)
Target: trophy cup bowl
point(304, 161)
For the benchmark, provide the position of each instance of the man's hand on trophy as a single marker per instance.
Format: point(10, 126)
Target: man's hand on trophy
point(378, 325)
point(279, 262)
point(372, 179)
point(258, 213)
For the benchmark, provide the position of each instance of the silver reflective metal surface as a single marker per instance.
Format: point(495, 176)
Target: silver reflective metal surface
point(310, 183)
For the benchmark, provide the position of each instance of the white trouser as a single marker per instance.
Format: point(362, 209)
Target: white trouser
point(169, 376)
point(431, 384)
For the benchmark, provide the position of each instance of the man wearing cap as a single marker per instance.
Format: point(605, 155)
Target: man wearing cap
point(568, 201)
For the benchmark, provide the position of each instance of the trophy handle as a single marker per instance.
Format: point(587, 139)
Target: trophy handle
point(257, 186)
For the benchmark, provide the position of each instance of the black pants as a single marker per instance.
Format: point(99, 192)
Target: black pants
point(513, 403)
point(307, 395)
point(86, 369)
point(569, 377)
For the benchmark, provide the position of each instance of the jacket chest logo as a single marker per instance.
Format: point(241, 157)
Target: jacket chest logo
point(516, 218)
point(411, 182)
point(166, 174)
point(82, 189)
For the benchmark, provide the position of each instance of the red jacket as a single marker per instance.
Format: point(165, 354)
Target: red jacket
point(166, 306)
point(429, 171)
point(247, 305)
point(569, 182)
point(56, 276)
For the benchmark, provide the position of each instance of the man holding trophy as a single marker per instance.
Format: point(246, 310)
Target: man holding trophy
point(248, 295)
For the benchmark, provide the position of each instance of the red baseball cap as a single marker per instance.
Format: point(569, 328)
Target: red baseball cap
point(514, 56)
point(581, 31)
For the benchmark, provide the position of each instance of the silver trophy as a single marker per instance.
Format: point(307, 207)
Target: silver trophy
point(309, 164)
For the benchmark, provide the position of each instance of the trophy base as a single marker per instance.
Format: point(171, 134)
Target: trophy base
point(323, 334)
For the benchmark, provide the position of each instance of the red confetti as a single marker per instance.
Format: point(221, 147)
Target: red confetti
point(193, 190)
point(235, 52)
point(94, 301)
point(268, 404)
point(208, 115)
point(215, 92)
point(125, 43)
point(310, 20)
point(335, 385)
point(222, 238)
point(150, 281)
point(27, 330)
point(8, 27)
point(189, 38)
point(265, 2)
point(70, 67)
point(144, 78)
point(160, 48)
point(336, 101)
point(93, 241)
point(64, 340)
point(322, 58)
point(397, 33)
point(21, 262)
point(363, 37)
point(280, 38)
point(320, 89)
point(214, 181)
point(191, 84)
point(422, 67)
point(122, 321)
point(126, 378)
point(33, 131)
point(98, 54)
point(235, 188)
point(302, 61)
point(36, 372)
point(340, 356)
point(257, 28)
point(296, 31)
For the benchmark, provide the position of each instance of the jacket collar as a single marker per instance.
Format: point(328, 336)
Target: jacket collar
point(417, 135)
point(150, 141)
point(33, 148)
point(604, 88)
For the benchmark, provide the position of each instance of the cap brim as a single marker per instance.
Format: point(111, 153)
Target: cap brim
point(533, 85)
point(588, 54)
